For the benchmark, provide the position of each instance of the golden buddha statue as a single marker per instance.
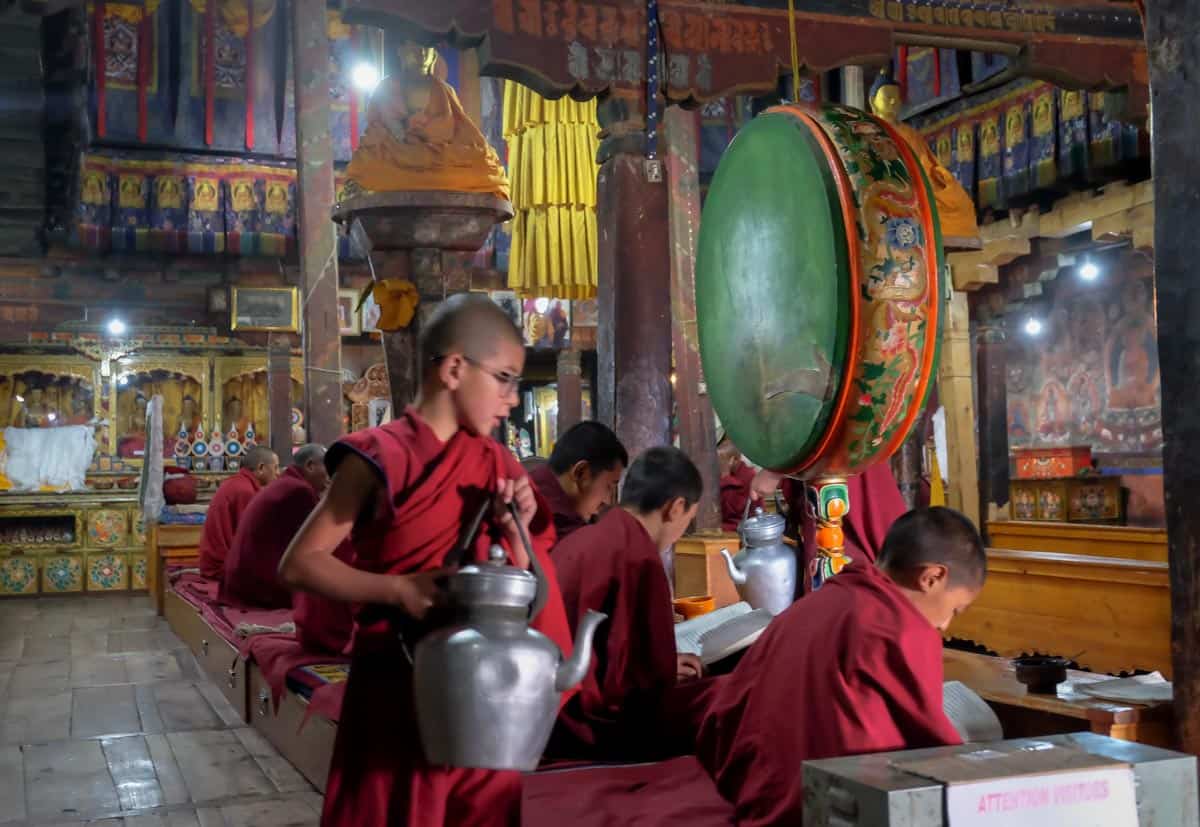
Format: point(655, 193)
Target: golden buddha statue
point(956, 211)
point(419, 137)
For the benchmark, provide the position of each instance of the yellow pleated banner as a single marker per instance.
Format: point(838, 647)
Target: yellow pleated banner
point(552, 168)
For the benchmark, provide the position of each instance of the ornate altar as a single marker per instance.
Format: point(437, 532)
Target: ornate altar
point(240, 399)
point(71, 542)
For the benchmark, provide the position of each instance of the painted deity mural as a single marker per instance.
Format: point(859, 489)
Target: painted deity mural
point(1091, 377)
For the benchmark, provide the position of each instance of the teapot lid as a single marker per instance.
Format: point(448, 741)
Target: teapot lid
point(494, 583)
point(762, 527)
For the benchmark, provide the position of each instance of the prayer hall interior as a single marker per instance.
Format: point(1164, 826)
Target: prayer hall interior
point(610, 412)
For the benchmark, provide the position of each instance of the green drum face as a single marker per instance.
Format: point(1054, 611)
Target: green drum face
point(818, 290)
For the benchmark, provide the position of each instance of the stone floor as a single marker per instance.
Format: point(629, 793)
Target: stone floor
point(107, 720)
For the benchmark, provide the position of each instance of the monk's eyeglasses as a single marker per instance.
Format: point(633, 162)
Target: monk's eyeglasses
point(508, 381)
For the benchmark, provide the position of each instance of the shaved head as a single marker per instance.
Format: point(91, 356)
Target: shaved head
point(259, 455)
point(312, 452)
point(468, 323)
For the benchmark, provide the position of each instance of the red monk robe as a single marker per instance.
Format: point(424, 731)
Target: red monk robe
point(378, 777)
point(875, 503)
point(614, 567)
point(222, 520)
point(566, 518)
point(850, 669)
point(324, 625)
point(735, 492)
point(266, 527)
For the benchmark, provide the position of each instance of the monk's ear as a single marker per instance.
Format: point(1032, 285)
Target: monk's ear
point(581, 472)
point(933, 576)
point(675, 510)
point(450, 370)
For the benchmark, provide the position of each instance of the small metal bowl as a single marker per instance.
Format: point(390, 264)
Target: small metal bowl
point(1040, 674)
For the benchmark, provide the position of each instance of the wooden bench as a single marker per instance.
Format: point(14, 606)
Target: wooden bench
point(168, 545)
point(217, 657)
point(307, 745)
point(1110, 614)
point(1025, 715)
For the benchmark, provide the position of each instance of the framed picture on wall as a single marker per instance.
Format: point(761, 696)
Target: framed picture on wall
point(547, 323)
point(370, 315)
point(265, 308)
point(509, 302)
point(349, 323)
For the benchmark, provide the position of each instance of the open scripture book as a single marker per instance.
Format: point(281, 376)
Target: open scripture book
point(721, 633)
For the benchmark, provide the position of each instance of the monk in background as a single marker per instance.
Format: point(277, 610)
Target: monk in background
point(855, 667)
point(737, 478)
point(267, 526)
point(401, 493)
point(581, 478)
point(614, 567)
point(875, 503)
point(259, 467)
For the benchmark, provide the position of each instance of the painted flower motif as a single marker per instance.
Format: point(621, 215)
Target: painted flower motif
point(106, 572)
point(903, 233)
point(865, 127)
point(865, 400)
point(885, 148)
point(893, 338)
point(62, 574)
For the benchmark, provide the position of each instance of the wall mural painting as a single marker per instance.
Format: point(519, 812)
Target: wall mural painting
point(1092, 376)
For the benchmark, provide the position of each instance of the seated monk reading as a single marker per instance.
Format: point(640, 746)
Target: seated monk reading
point(266, 527)
point(955, 210)
point(580, 480)
point(875, 503)
point(855, 667)
point(259, 467)
point(402, 493)
point(736, 479)
point(419, 138)
point(614, 567)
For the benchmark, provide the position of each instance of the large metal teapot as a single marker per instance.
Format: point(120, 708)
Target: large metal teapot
point(487, 685)
point(764, 570)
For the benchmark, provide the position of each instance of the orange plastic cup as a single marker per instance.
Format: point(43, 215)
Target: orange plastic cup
point(691, 607)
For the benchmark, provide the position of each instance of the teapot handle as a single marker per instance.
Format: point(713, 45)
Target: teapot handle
point(543, 584)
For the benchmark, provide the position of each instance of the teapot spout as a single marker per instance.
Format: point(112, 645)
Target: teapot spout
point(735, 574)
point(572, 670)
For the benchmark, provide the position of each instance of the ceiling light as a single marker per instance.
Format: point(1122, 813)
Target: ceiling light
point(116, 327)
point(1088, 271)
point(365, 77)
point(1033, 327)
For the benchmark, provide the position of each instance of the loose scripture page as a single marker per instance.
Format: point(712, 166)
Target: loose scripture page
point(688, 633)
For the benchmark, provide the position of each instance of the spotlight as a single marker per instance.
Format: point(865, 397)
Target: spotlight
point(52, 416)
point(1033, 327)
point(116, 327)
point(123, 381)
point(365, 77)
point(1088, 271)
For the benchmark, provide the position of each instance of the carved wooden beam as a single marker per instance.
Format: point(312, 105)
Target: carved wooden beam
point(588, 48)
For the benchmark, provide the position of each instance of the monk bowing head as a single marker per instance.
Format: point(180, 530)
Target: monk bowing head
point(310, 461)
point(936, 556)
point(472, 356)
point(263, 463)
point(588, 460)
point(662, 491)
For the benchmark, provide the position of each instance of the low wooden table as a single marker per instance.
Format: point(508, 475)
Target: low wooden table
point(175, 543)
point(1025, 715)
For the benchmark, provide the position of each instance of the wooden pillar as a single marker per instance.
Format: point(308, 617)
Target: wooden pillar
point(279, 396)
point(992, 372)
point(634, 296)
point(1173, 45)
point(570, 389)
point(697, 427)
point(318, 251)
point(907, 463)
point(957, 397)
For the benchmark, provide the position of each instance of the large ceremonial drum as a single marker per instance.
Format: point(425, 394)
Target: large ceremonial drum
point(819, 290)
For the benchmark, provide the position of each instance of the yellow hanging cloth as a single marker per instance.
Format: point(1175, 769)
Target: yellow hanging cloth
point(552, 168)
point(937, 489)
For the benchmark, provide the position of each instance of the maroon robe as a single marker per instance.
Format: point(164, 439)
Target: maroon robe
point(875, 503)
point(324, 625)
point(566, 518)
point(614, 567)
point(222, 520)
point(850, 669)
point(265, 529)
point(735, 493)
point(378, 776)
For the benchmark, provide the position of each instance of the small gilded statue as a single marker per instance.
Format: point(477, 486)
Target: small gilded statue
point(419, 137)
point(956, 211)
